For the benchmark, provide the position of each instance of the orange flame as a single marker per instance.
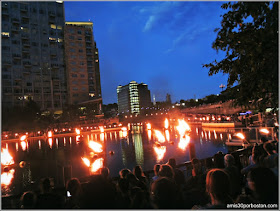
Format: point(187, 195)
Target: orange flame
point(240, 135)
point(124, 129)
point(159, 136)
point(49, 134)
point(166, 123)
point(97, 164)
point(78, 132)
point(160, 151)
point(22, 138)
point(264, 130)
point(184, 142)
point(149, 126)
point(183, 127)
point(6, 158)
point(86, 161)
point(6, 177)
point(96, 147)
point(101, 129)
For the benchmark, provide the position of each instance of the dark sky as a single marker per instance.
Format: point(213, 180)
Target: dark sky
point(162, 44)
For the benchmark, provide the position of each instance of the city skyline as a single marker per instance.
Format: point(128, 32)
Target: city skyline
point(163, 44)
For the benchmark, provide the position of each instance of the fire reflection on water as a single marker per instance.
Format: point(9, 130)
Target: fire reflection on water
point(160, 151)
point(184, 141)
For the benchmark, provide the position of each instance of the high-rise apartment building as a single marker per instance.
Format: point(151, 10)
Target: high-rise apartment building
point(133, 98)
point(33, 54)
point(82, 65)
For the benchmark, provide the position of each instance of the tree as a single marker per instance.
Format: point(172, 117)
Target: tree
point(249, 36)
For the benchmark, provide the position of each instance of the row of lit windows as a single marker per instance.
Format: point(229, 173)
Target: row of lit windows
point(53, 26)
point(56, 39)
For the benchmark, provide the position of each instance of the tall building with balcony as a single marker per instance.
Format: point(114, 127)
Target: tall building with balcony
point(133, 98)
point(82, 65)
point(33, 54)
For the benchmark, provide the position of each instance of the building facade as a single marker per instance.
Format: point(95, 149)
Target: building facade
point(82, 65)
point(33, 54)
point(133, 98)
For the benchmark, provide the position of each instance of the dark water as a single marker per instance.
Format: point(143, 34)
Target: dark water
point(60, 158)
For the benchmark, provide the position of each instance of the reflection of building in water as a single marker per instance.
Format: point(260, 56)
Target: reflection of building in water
point(128, 150)
point(139, 152)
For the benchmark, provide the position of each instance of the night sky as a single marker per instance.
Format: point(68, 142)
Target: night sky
point(162, 44)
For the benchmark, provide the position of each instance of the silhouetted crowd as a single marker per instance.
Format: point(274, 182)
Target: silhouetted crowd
point(219, 181)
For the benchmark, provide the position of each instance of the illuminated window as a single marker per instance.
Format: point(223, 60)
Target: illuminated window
point(59, 27)
point(53, 26)
point(52, 38)
point(7, 34)
point(96, 60)
point(91, 94)
point(59, 40)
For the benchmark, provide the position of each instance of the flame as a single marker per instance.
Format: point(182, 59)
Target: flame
point(86, 161)
point(166, 123)
point(167, 135)
point(101, 129)
point(97, 164)
point(22, 138)
point(149, 126)
point(96, 147)
point(23, 145)
point(160, 151)
point(124, 129)
point(159, 136)
point(264, 130)
point(6, 177)
point(183, 127)
point(6, 158)
point(184, 142)
point(78, 132)
point(49, 134)
point(240, 135)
